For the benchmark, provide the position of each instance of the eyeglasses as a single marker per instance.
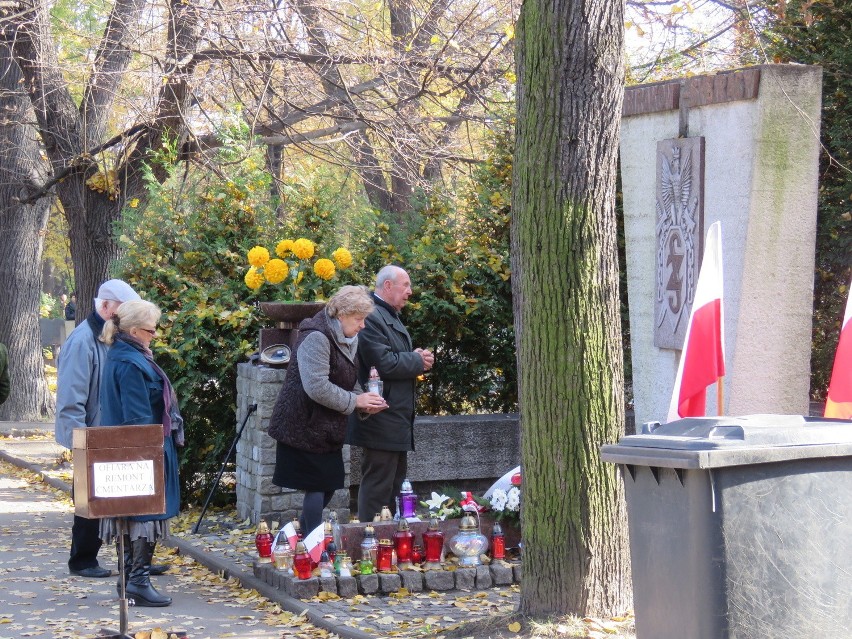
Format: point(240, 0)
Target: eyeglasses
point(148, 330)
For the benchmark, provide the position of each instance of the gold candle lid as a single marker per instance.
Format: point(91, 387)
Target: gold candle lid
point(262, 527)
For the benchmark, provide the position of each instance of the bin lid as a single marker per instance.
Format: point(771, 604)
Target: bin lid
point(706, 442)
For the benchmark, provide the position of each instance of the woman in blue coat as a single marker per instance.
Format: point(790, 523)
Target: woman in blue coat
point(134, 390)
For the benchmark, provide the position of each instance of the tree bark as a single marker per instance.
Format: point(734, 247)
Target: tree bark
point(565, 286)
point(22, 228)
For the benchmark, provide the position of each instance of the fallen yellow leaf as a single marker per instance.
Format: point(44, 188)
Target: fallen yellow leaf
point(514, 627)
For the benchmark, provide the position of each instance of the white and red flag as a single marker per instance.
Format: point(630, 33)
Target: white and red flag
point(289, 531)
point(838, 402)
point(702, 361)
point(314, 543)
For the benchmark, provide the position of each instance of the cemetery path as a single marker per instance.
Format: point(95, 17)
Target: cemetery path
point(211, 573)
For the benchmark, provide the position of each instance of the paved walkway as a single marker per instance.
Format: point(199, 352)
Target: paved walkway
point(226, 547)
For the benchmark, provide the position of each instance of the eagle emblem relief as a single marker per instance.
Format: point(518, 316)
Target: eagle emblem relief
point(679, 218)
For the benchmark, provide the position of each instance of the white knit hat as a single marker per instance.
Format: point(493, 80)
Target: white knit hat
point(117, 291)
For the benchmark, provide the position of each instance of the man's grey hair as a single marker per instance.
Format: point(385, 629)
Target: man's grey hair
point(387, 273)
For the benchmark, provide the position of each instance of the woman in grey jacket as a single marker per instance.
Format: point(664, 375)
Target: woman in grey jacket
point(319, 391)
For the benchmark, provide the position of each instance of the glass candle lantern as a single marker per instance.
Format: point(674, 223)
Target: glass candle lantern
point(282, 554)
point(331, 549)
point(335, 528)
point(370, 545)
point(433, 540)
point(468, 543)
point(385, 557)
point(408, 500)
point(367, 566)
point(345, 566)
point(498, 543)
point(326, 568)
point(403, 541)
point(263, 543)
point(302, 562)
point(327, 535)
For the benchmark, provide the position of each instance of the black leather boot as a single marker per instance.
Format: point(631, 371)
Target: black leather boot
point(157, 569)
point(128, 561)
point(139, 588)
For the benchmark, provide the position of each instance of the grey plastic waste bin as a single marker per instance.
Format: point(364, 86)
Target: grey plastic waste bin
point(740, 527)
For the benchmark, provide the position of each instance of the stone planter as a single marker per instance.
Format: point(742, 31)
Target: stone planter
point(289, 314)
point(287, 317)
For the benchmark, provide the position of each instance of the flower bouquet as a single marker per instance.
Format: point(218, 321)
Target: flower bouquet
point(506, 504)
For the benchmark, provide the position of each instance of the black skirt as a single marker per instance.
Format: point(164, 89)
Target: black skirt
point(312, 472)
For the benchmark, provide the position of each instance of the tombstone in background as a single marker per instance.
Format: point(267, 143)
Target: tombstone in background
point(741, 147)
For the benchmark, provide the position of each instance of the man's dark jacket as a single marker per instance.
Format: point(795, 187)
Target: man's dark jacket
point(385, 343)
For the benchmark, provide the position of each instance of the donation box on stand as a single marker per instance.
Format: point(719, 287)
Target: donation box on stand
point(118, 471)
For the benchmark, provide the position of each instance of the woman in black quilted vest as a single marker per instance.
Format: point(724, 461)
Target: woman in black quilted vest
point(319, 392)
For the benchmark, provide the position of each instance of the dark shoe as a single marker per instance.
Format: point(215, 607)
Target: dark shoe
point(96, 572)
point(139, 590)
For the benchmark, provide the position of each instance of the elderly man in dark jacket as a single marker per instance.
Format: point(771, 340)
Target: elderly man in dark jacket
point(386, 437)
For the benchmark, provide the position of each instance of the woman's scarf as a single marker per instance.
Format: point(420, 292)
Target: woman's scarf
point(172, 420)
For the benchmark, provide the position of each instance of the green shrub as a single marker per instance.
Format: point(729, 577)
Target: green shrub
point(186, 252)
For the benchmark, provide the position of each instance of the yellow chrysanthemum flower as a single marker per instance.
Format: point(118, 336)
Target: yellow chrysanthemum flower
point(258, 256)
point(324, 268)
point(275, 271)
point(284, 248)
point(253, 279)
point(303, 248)
point(342, 257)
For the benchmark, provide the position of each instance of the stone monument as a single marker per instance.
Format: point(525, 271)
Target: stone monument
point(741, 147)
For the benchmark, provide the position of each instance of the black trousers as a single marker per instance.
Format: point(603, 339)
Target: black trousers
point(85, 543)
point(382, 473)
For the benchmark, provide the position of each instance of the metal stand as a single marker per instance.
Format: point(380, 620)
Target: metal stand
point(121, 531)
point(251, 409)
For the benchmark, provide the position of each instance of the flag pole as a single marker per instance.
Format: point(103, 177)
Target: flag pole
point(720, 395)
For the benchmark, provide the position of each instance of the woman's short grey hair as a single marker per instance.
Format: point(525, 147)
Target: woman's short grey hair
point(132, 314)
point(350, 300)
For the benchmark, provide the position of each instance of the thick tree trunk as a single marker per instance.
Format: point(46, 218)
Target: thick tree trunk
point(91, 216)
point(21, 242)
point(565, 288)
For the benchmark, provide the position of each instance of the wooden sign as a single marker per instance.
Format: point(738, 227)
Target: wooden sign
point(118, 471)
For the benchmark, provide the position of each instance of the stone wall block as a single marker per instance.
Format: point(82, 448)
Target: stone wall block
point(301, 588)
point(483, 578)
point(368, 584)
point(465, 578)
point(389, 582)
point(328, 584)
point(412, 580)
point(347, 587)
point(501, 574)
point(439, 580)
